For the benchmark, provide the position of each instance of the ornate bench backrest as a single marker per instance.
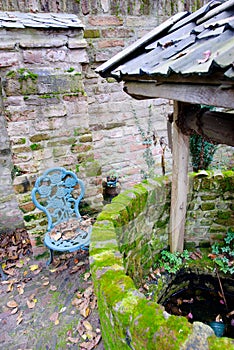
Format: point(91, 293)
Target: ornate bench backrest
point(58, 193)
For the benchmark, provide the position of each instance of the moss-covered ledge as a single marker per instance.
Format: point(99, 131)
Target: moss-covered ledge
point(128, 319)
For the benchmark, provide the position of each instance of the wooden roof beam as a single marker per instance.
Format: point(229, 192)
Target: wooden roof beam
point(212, 95)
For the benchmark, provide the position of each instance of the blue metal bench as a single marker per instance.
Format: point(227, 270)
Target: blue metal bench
point(58, 193)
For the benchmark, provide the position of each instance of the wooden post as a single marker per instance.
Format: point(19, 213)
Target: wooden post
point(179, 190)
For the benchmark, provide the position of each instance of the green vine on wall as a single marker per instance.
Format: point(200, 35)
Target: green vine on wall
point(202, 152)
point(149, 138)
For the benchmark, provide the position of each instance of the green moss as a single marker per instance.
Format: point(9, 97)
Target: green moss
point(207, 206)
point(221, 214)
point(46, 96)
point(86, 138)
point(92, 33)
point(21, 141)
point(30, 217)
point(35, 147)
point(106, 258)
point(38, 241)
point(216, 343)
point(11, 74)
point(128, 202)
point(38, 138)
point(70, 70)
point(115, 212)
point(102, 233)
point(25, 74)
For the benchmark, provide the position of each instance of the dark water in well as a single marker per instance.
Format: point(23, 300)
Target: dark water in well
point(204, 305)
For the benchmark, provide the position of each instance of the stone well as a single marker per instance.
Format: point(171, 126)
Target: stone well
point(127, 235)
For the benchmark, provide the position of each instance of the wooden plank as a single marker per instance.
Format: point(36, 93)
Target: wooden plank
point(179, 189)
point(191, 93)
point(215, 126)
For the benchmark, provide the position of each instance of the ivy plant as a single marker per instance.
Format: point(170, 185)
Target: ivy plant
point(223, 253)
point(202, 152)
point(172, 262)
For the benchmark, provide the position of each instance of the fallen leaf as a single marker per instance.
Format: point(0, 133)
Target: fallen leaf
point(20, 318)
point(88, 292)
point(19, 264)
point(76, 302)
point(31, 297)
point(190, 316)
point(206, 56)
point(9, 272)
point(20, 289)
point(218, 318)
point(53, 288)
point(86, 276)
point(73, 340)
point(74, 269)
point(12, 304)
point(10, 287)
point(93, 303)
point(230, 313)
point(87, 326)
point(14, 311)
point(92, 344)
point(212, 256)
point(69, 333)
point(63, 309)
point(33, 267)
point(80, 328)
point(54, 317)
point(85, 311)
point(46, 283)
point(61, 268)
point(31, 304)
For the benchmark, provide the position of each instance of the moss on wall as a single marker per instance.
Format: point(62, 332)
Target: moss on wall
point(128, 319)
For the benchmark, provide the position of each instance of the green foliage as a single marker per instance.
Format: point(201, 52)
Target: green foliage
point(35, 146)
point(25, 74)
point(202, 152)
point(70, 70)
point(224, 253)
point(16, 171)
point(172, 262)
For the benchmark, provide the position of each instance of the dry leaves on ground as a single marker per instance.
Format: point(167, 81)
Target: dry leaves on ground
point(85, 303)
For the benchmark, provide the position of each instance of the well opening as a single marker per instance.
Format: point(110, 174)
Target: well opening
point(200, 297)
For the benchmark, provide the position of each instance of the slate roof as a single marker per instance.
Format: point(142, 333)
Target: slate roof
point(39, 20)
point(186, 46)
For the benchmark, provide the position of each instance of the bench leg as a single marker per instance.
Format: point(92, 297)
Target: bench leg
point(51, 257)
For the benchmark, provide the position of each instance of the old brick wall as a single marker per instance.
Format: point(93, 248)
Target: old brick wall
point(10, 214)
point(60, 112)
point(45, 111)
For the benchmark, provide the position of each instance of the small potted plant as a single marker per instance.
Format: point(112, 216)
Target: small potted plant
point(111, 186)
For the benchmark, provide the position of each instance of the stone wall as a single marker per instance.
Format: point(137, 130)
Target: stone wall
point(10, 215)
point(58, 111)
point(210, 207)
point(46, 113)
point(128, 319)
point(145, 210)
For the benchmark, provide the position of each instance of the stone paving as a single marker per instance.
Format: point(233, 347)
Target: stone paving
point(49, 307)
